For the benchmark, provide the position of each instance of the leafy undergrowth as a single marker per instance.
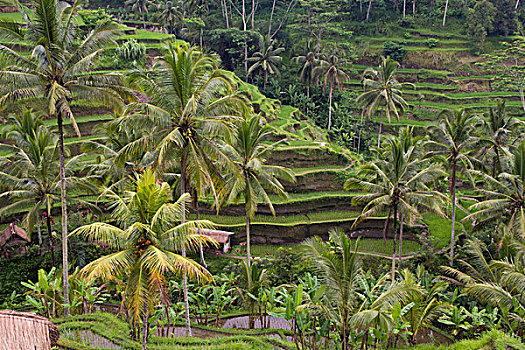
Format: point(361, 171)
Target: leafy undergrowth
point(493, 340)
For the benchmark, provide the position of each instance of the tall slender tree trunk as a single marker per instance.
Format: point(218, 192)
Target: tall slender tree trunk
point(330, 107)
point(248, 246)
point(395, 242)
point(387, 223)
point(517, 3)
point(51, 245)
point(368, 10)
point(414, 8)
point(183, 220)
point(201, 250)
point(308, 97)
point(445, 14)
point(380, 129)
point(401, 226)
point(453, 193)
point(404, 8)
point(65, 263)
point(145, 328)
point(271, 19)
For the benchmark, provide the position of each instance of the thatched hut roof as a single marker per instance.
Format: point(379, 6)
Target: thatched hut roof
point(13, 235)
point(23, 331)
point(218, 235)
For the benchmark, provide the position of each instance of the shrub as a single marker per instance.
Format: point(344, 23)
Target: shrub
point(131, 53)
point(431, 42)
point(394, 50)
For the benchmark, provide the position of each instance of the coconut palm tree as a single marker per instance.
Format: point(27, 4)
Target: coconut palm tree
point(192, 106)
point(308, 63)
point(251, 177)
point(146, 248)
point(397, 183)
point(59, 70)
point(383, 91)
point(266, 60)
point(496, 128)
point(139, 8)
point(31, 176)
point(339, 270)
point(171, 15)
point(455, 130)
point(504, 195)
point(331, 74)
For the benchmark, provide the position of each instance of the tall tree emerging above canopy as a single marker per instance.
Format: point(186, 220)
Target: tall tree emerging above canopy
point(383, 91)
point(193, 105)
point(59, 70)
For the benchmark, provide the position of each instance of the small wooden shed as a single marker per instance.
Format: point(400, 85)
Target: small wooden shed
point(26, 331)
point(14, 236)
point(222, 237)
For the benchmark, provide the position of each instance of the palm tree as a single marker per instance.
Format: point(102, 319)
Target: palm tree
point(308, 63)
point(245, 152)
point(396, 182)
point(146, 248)
point(382, 90)
point(140, 8)
point(456, 132)
point(193, 105)
point(497, 126)
point(339, 270)
point(332, 75)
point(171, 15)
point(266, 60)
point(59, 70)
point(504, 195)
point(32, 178)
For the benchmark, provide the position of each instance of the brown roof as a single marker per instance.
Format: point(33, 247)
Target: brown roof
point(218, 235)
point(13, 232)
point(24, 330)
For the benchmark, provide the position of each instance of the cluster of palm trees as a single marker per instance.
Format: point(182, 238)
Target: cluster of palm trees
point(193, 128)
point(401, 181)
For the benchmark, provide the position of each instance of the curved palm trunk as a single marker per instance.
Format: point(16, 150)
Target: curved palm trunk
point(453, 193)
point(65, 263)
point(183, 252)
point(445, 14)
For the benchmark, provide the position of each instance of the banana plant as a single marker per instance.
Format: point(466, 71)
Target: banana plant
point(42, 294)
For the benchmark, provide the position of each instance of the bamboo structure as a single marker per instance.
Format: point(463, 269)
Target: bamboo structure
point(24, 331)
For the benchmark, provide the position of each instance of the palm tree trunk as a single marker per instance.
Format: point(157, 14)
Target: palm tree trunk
point(401, 226)
point(368, 10)
point(380, 129)
point(51, 245)
point(183, 220)
point(404, 8)
point(271, 18)
point(248, 252)
point(445, 14)
point(145, 328)
point(308, 96)
point(201, 250)
point(65, 264)
point(387, 222)
point(414, 8)
point(395, 242)
point(330, 107)
point(453, 193)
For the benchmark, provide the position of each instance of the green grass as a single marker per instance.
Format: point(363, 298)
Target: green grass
point(317, 170)
point(494, 339)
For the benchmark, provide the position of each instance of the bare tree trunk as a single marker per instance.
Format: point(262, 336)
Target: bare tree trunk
point(65, 263)
point(201, 250)
point(453, 193)
point(39, 232)
point(51, 245)
point(271, 19)
point(445, 14)
point(368, 10)
point(414, 8)
point(401, 226)
point(404, 8)
point(253, 14)
point(517, 3)
point(248, 246)
point(395, 242)
point(380, 129)
point(330, 108)
point(183, 220)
